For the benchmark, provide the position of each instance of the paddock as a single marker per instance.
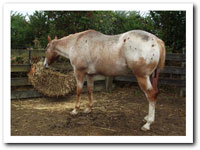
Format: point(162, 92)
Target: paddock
point(119, 112)
point(119, 108)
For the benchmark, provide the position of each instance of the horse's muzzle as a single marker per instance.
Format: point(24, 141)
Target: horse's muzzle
point(45, 63)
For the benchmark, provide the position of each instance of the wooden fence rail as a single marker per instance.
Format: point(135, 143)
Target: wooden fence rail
point(162, 81)
point(25, 68)
point(41, 53)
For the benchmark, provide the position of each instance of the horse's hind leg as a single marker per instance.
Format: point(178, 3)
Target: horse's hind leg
point(90, 86)
point(79, 75)
point(151, 95)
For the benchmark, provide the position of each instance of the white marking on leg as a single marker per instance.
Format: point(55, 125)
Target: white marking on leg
point(151, 111)
point(74, 112)
point(146, 118)
point(150, 117)
point(87, 110)
point(148, 83)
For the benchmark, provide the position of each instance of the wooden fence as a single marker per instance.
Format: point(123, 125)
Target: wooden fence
point(25, 68)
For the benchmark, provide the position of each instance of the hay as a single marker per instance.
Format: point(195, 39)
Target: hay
point(50, 82)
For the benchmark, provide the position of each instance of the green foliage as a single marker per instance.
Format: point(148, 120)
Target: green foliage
point(33, 32)
point(171, 27)
point(19, 28)
point(39, 27)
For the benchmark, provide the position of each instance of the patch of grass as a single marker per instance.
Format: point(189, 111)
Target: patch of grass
point(136, 93)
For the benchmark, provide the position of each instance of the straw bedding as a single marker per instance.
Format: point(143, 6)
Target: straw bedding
point(50, 82)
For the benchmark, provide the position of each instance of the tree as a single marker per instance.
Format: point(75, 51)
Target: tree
point(171, 27)
point(19, 28)
point(167, 25)
point(38, 29)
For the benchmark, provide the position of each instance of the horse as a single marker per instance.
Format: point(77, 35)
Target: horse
point(91, 52)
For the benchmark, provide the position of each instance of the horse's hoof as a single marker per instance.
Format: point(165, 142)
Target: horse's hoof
point(145, 127)
point(74, 112)
point(87, 110)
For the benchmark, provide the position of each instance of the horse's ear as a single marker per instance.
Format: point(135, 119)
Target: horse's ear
point(56, 38)
point(49, 38)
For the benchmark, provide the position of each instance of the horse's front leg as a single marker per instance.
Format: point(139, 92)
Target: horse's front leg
point(79, 75)
point(90, 86)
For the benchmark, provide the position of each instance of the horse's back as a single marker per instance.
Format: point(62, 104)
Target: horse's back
point(136, 50)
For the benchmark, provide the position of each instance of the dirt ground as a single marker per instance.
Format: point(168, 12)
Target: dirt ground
point(120, 112)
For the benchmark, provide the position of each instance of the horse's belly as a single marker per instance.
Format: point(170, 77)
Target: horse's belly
point(111, 68)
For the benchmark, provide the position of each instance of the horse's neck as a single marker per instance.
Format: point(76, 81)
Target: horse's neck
point(63, 47)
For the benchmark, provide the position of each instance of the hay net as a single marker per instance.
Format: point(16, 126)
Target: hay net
point(50, 82)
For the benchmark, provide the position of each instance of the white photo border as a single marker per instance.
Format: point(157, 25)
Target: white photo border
point(7, 138)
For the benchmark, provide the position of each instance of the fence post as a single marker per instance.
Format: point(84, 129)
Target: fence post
point(182, 89)
point(29, 57)
point(109, 83)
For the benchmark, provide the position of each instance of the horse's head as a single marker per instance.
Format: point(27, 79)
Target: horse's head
point(50, 55)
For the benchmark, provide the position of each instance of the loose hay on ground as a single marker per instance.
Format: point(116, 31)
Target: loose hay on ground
point(50, 82)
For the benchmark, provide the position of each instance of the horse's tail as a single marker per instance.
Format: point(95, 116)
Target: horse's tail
point(161, 63)
point(160, 67)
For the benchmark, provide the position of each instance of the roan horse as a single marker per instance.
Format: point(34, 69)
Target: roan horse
point(91, 52)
